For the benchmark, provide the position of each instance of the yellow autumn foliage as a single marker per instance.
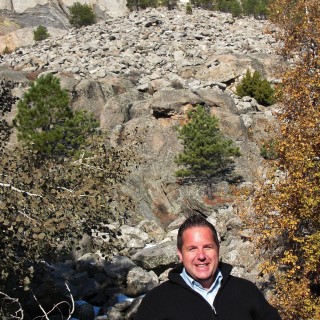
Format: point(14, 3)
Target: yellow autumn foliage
point(286, 208)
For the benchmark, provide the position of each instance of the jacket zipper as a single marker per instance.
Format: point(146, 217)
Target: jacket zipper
point(223, 284)
point(214, 311)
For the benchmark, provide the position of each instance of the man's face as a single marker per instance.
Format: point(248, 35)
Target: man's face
point(199, 254)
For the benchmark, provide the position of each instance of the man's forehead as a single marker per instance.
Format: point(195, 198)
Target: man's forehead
point(193, 231)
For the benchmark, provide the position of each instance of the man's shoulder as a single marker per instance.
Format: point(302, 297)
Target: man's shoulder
point(164, 286)
point(238, 285)
point(168, 287)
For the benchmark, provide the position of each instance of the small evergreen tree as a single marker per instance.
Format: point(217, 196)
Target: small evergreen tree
point(149, 4)
point(268, 149)
point(46, 123)
point(256, 87)
point(40, 33)
point(204, 4)
point(132, 5)
point(81, 15)
point(143, 4)
point(248, 6)
point(170, 4)
point(206, 151)
point(6, 50)
point(257, 8)
point(230, 6)
point(235, 9)
point(188, 8)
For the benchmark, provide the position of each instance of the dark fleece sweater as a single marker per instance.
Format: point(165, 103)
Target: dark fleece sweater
point(237, 299)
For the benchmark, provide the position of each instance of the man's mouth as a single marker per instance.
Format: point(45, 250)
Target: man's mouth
point(202, 265)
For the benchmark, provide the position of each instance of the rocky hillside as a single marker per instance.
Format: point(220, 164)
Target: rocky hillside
point(140, 74)
point(19, 18)
point(33, 7)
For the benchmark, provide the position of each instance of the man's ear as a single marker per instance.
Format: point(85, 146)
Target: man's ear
point(180, 256)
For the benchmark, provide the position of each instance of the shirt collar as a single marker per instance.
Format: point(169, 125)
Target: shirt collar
point(192, 283)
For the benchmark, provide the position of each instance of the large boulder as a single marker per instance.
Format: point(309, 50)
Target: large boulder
point(160, 256)
point(140, 281)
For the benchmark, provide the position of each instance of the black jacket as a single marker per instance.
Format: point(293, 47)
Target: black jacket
point(237, 299)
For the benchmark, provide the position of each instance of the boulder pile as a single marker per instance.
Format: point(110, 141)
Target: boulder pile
point(112, 287)
point(152, 44)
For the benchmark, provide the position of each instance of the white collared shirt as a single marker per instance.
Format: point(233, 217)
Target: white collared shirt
point(207, 294)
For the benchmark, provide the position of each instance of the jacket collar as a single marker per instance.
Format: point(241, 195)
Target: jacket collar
point(174, 274)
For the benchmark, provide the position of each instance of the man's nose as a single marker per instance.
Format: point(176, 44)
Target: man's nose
point(201, 255)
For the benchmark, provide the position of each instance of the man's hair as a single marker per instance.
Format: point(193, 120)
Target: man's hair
point(196, 220)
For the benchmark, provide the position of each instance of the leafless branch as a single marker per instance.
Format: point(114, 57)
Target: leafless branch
point(19, 314)
point(8, 185)
point(57, 306)
point(65, 189)
point(28, 217)
point(5, 299)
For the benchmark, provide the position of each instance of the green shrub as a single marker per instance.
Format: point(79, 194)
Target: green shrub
point(132, 5)
point(257, 8)
point(46, 123)
point(81, 15)
point(143, 4)
point(230, 6)
point(206, 151)
point(40, 33)
point(188, 8)
point(204, 4)
point(6, 50)
point(256, 87)
point(268, 150)
point(149, 4)
point(235, 9)
point(170, 4)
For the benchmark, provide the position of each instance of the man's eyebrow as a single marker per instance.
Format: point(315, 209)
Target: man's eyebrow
point(205, 245)
point(191, 246)
point(211, 244)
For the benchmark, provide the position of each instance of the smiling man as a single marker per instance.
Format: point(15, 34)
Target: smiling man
point(201, 287)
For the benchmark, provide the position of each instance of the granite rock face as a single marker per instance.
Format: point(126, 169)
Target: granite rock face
point(22, 17)
point(140, 74)
point(112, 7)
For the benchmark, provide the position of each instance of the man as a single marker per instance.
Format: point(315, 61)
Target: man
point(202, 288)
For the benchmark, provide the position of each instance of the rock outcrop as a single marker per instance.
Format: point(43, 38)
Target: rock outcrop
point(19, 18)
point(110, 7)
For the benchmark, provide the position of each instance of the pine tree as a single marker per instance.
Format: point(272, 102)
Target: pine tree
point(256, 87)
point(40, 33)
point(188, 8)
point(46, 123)
point(81, 15)
point(206, 151)
point(204, 4)
point(257, 8)
point(231, 6)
